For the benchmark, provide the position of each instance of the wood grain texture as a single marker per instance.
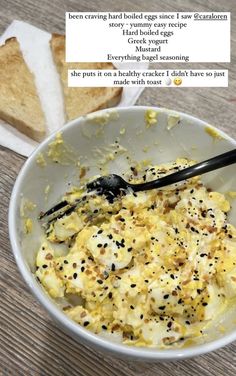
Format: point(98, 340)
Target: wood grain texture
point(30, 343)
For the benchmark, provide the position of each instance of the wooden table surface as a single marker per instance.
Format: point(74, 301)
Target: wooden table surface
point(30, 343)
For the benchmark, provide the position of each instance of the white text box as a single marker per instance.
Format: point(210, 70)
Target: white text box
point(148, 36)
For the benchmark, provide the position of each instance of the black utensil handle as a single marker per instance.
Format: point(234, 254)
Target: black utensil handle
point(212, 164)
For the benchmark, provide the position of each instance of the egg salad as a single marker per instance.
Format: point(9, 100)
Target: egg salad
point(151, 269)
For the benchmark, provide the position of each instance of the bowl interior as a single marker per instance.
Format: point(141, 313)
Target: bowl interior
point(91, 142)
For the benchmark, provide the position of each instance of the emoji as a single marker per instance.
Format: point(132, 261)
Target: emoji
point(168, 81)
point(177, 81)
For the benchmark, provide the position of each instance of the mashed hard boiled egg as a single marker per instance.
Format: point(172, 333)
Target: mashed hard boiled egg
point(152, 269)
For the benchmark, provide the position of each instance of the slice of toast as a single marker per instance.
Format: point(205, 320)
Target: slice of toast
point(19, 101)
point(80, 100)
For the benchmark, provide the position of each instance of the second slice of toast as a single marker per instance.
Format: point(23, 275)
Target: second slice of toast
point(79, 100)
point(19, 102)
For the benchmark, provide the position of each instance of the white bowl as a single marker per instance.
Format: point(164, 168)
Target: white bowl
point(187, 139)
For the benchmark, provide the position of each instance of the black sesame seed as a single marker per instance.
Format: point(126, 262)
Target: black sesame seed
point(100, 231)
point(75, 275)
point(204, 304)
point(45, 266)
point(132, 307)
point(162, 308)
point(82, 269)
point(100, 281)
point(166, 296)
point(104, 327)
point(133, 285)
point(66, 262)
point(110, 295)
point(99, 245)
point(129, 249)
point(86, 323)
point(113, 267)
point(141, 316)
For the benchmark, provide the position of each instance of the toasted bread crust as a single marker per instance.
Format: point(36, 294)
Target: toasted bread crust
point(81, 101)
point(19, 101)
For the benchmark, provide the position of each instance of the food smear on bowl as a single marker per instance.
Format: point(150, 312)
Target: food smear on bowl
point(172, 121)
point(150, 118)
point(153, 268)
point(213, 133)
point(60, 152)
